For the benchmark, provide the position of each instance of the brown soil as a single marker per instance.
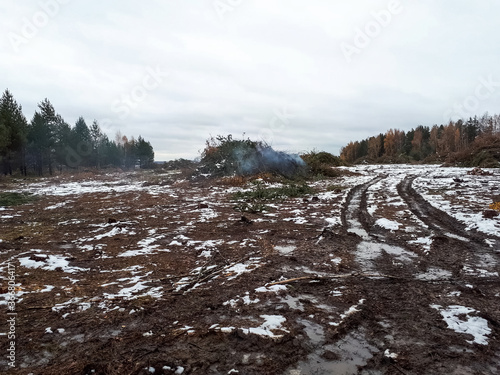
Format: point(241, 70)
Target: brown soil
point(340, 317)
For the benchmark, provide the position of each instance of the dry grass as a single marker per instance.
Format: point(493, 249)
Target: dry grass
point(43, 232)
point(240, 181)
point(495, 206)
point(234, 181)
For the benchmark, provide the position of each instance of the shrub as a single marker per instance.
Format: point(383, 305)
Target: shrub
point(335, 188)
point(322, 157)
point(252, 208)
point(225, 156)
point(179, 164)
point(322, 163)
point(273, 193)
point(15, 199)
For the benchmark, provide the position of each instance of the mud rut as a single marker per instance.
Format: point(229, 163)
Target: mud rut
point(396, 313)
point(435, 219)
point(388, 289)
point(344, 319)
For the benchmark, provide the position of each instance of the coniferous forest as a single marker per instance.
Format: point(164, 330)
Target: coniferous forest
point(47, 143)
point(472, 142)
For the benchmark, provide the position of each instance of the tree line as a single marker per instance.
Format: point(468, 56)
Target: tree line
point(427, 144)
point(47, 143)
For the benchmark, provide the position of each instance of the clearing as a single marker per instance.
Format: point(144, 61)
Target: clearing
point(396, 272)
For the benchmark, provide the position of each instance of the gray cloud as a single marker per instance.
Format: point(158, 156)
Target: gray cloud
point(232, 72)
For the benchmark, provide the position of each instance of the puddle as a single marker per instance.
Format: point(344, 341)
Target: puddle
point(293, 303)
point(297, 303)
point(352, 220)
point(300, 302)
point(314, 331)
point(353, 351)
point(368, 251)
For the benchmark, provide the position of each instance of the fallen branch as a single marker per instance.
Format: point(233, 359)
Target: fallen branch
point(343, 276)
point(294, 279)
point(38, 307)
point(398, 368)
point(163, 279)
point(209, 275)
point(202, 277)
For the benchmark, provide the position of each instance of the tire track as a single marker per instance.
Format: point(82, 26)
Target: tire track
point(355, 217)
point(438, 221)
point(403, 309)
point(372, 247)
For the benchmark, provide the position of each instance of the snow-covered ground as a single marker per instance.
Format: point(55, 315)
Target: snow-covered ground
point(183, 210)
point(465, 201)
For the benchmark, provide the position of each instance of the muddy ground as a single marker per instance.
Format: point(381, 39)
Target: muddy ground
point(142, 273)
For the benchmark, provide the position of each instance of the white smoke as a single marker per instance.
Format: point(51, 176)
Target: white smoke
point(265, 159)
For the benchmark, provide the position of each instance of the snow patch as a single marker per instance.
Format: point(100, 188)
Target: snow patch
point(50, 263)
point(57, 205)
point(426, 243)
point(388, 354)
point(472, 325)
point(272, 288)
point(388, 224)
point(240, 268)
point(271, 323)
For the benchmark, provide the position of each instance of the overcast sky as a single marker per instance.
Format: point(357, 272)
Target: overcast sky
point(301, 75)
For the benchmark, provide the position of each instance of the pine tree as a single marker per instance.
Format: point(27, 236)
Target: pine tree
point(145, 153)
point(96, 139)
point(47, 133)
point(48, 141)
point(62, 139)
point(39, 139)
point(13, 132)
